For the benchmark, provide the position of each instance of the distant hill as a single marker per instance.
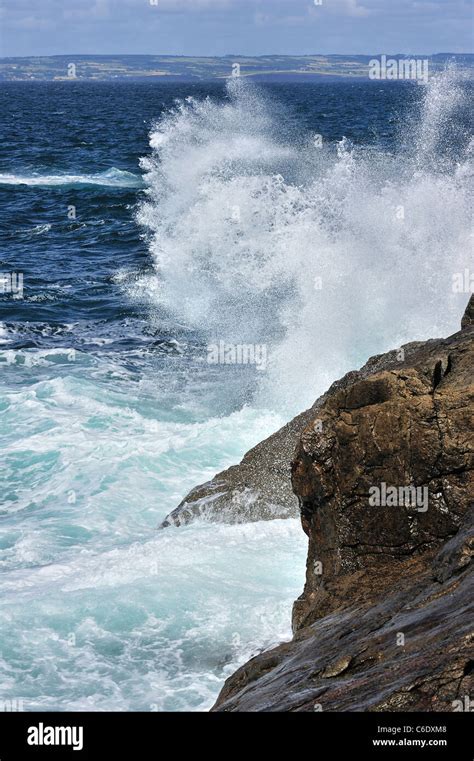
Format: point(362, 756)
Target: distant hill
point(183, 68)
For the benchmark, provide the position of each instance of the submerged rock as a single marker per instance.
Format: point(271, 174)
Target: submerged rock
point(384, 477)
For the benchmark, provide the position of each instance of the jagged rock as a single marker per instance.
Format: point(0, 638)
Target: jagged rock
point(410, 426)
point(385, 619)
point(259, 488)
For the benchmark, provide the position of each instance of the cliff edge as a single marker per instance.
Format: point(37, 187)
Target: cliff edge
point(383, 473)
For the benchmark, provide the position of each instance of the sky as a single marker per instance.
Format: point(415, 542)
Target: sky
point(229, 27)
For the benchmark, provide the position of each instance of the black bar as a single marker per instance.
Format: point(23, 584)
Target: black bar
point(150, 735)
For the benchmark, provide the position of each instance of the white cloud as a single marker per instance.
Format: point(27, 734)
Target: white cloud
point(219, 26)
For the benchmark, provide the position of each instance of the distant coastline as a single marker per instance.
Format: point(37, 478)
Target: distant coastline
point(193, 69)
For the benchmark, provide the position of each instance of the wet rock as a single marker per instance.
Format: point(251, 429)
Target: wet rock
point(339, 667)
point(257, 489)
point(385, 485)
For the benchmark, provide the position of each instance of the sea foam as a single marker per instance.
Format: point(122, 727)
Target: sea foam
point(327, 254)
point(111, 178)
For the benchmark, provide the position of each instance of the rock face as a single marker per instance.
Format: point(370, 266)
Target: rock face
point(384, 477)
point(257, 489)
point(468, 317)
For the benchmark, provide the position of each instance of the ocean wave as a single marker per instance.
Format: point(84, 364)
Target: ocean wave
point(157, 644)
point(85, 535)
point(326, 253)
point(114, 178)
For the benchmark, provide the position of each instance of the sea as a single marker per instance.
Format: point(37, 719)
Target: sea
point(141, 224)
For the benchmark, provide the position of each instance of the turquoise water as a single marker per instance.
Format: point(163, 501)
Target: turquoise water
point(101, 611)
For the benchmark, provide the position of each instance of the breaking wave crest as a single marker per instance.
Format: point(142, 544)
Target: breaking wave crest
point(327, 254)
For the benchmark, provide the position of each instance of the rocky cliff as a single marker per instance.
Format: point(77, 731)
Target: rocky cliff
point(383, 472)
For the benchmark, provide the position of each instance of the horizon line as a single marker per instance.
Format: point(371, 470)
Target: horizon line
point(230, 55)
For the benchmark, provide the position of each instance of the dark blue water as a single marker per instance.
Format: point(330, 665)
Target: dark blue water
point(91, 129)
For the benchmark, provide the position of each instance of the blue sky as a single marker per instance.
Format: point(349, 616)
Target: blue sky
point(248, 27)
